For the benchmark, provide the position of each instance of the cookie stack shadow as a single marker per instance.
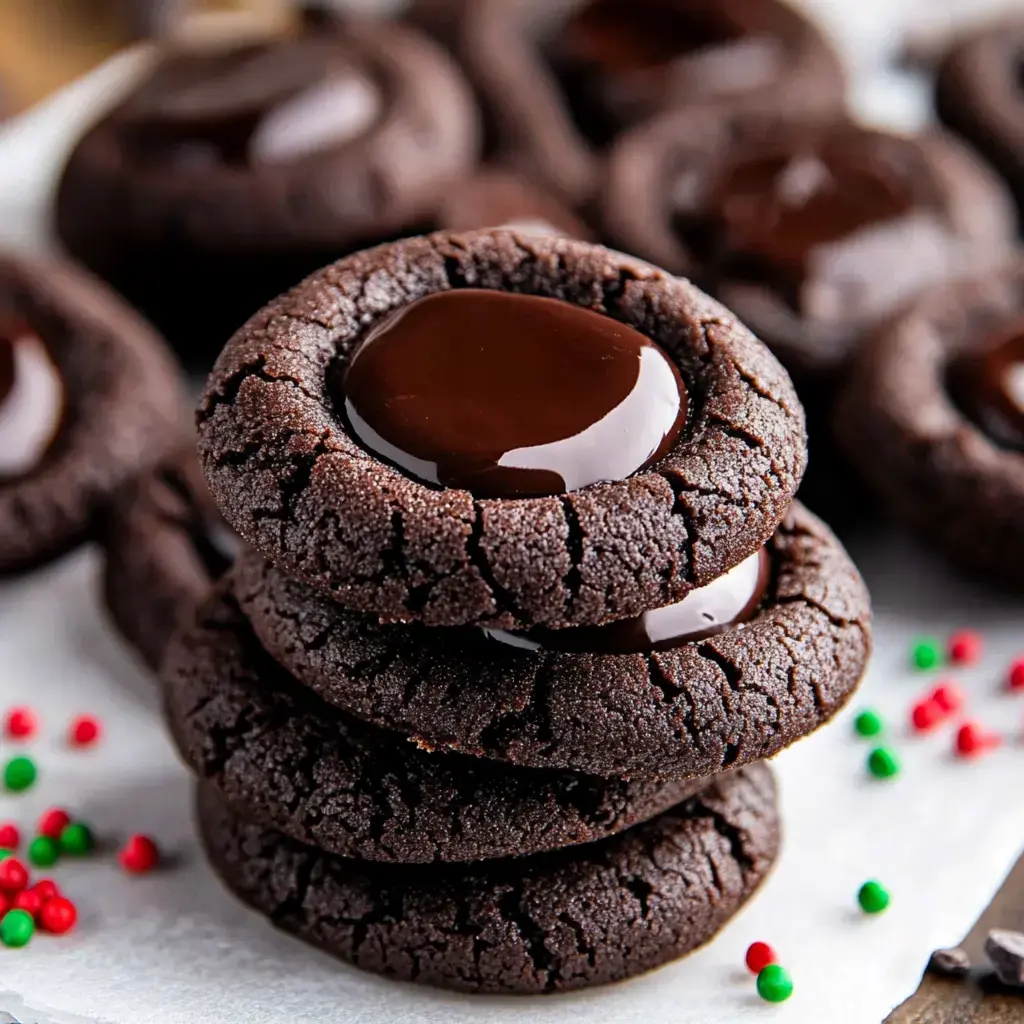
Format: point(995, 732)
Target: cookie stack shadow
point(435, 805)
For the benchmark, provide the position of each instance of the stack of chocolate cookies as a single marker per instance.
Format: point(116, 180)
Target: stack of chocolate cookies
point(527, 603)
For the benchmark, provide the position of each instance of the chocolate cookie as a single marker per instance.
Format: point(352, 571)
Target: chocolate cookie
point(497, 197)
point(165, 545)
point(979, 93)
point(691, 474)
point(292, 762)
point(88, 397)
point(561, 78)
point(231, 173)
point(565, 920)
point(702, 707)
point(933, 416)
point(811, 234)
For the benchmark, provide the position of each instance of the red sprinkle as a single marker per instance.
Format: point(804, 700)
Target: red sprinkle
point(926, 714)
point(5, 904)
point(972, 740)
point(53, 822)
point(1015, 678)
point(30, 900)
point(949, 697)
point(13, 875)
point(759, 956)
point(84, 731)
point(21, 723)
point(58, 915)
point(139, 855)
point(47, 889)
point(10, 837)
point(965, 647)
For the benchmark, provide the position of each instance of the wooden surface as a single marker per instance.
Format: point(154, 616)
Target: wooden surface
point(949, 1001)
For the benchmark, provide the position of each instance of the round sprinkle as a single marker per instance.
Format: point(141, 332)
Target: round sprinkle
point(10, 837)
point(13, 875)
point(868, 723)
point(774, 985)
point(139, 855)
point(1015, 677)
point(28, 900)
point(883, 763)
point(759, 956)
point(20, 724)
point(84, 731)
point(5, 853)
point(16, 928)
point(43, 851)
point(19, 774)
point(873, 897)
point(973, 740)
point(949, 697)
point(964, 647)
point(47, 889)
point(77, 839)
point(926, 653)
point(53, 823)
point(925, 715)
point(58, 915)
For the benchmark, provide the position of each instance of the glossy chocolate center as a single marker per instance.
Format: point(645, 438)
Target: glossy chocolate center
point(508, 396)
point(31, 399)
point(262, 104)
point(617, 58)
point(989, 385)
point(825, 208)
point(720, 606)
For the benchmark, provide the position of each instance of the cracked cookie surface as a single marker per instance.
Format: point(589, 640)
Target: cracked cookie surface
point(121, 398)
point(272, 748)
point(557, 921)
point(698, 709)
point(289, 477)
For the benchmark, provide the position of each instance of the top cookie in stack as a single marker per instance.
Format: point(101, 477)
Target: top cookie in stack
point(528, 503)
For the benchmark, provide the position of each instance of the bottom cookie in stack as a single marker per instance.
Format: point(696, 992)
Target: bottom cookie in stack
point(443, 868)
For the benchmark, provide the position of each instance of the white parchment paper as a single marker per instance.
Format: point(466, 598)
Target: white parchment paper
point(174, 948)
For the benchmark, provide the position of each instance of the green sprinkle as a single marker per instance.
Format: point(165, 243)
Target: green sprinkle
point(16, 928)
point(873, 897)
point(76, 840)
point(19, 774)
point(5, 853)
point(883, 763)
point(926, 653)
point(774, 985)
point(868, 723)
point(43, 851)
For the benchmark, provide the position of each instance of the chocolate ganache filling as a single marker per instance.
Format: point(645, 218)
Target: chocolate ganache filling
point(988, 384)
point(31, 399)
point(721, 605)
point(261, 104)
point(614, 58)
point(813, 217)
point(511, 396)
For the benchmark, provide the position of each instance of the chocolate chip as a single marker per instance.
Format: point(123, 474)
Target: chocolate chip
point(1005, 949)
point(949, 963)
